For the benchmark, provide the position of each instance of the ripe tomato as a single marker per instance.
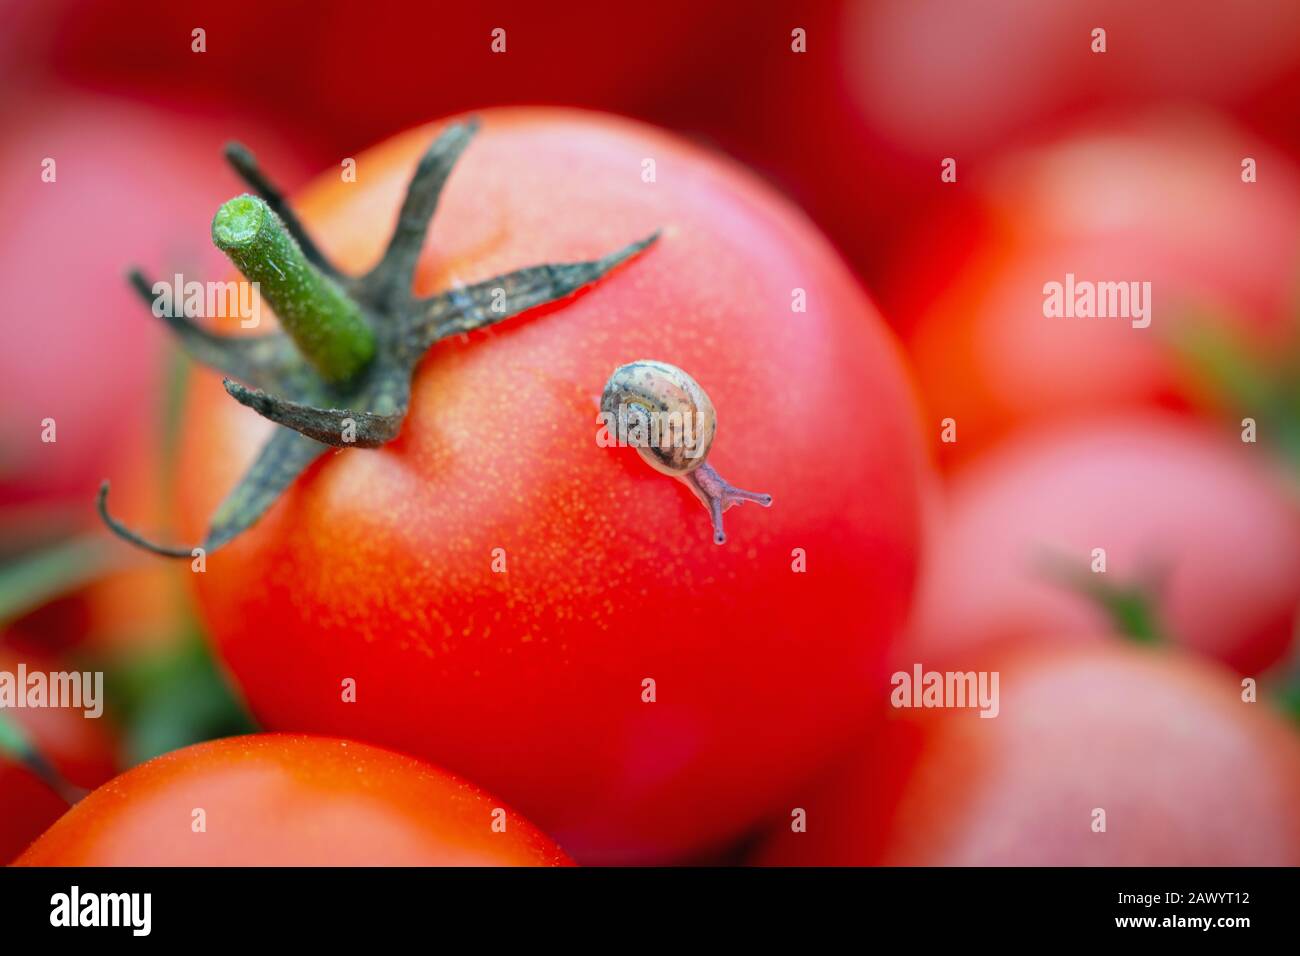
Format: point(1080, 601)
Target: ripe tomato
point(1160, 201)
point(1194, 519)
point(378, 565)
point(1188, 774)
point(113, 189)
point(27, 807)
point(115, 199)
point(366, 77)
point(280, 800)
point(954, 79)
point(82, 749)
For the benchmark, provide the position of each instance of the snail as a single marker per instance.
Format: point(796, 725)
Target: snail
point(670, 420)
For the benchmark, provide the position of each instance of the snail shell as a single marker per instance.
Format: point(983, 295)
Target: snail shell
point(663, 412)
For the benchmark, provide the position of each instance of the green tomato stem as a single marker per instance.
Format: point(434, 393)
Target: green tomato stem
point(326, 325)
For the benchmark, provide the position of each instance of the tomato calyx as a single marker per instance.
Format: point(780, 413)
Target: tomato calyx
point(1132, 607)
point(1262, 385)
point(339, 374)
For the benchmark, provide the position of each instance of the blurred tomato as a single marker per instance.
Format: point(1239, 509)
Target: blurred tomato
point(1160, 202)
point(27, 808)
point(130, 186)
point(857, 126)
point(273, 800)
point(1188, 774)
point(334, 81)
point(82, 749)
point(139, 604)
point(1194, 520)
point(338, 79)
point(109, 598)
point(942, 78)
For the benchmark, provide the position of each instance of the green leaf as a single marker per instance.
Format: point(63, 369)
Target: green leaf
point(1133, 608)
point(1132, 612)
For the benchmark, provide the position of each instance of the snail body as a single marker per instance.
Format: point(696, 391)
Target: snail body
point(668, 417)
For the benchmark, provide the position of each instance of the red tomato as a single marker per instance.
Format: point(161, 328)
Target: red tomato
point(79, 748)
point(82, 749)
point(338, 80)
point(1188, 774)
point(1194, 519)
point(1162, 203)
point(130, 186)
point(377, 566)
point(856, 127)
point(961, 79)
point(280, 800)
point(27, 808)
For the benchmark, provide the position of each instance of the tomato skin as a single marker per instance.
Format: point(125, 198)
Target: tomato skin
point(1156, 199)
point(592, 56)
point(285, 800)
point(27, 808)
point(377, 565)
point(1188, 774)
point(941, 79)
point(58, 368)
point(1188, 513)
point(82, 749)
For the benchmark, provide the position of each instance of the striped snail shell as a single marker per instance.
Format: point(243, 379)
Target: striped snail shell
point(670, 420)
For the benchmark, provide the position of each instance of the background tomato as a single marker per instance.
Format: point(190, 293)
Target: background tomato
point(115, 187)
point(405, 64)
point(131, 185)
point(1187, 773)
point(80, 748)
point(958, 79)
point(1159, 200)
point(913, 83)
point(377, 566)
point(1190, 517)
point(27, 807)
point(268, 799)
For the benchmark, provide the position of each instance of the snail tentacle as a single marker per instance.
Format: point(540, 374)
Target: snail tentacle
point(718, 495)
